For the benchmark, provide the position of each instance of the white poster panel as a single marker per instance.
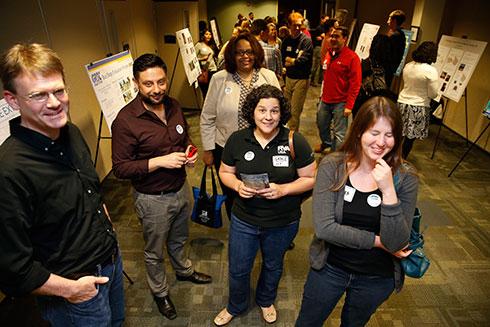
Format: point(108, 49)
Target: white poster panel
point(112, 80)
point(456, 61)
point(188, 53)
point(215, 31)
point(6, 114)
point(365, 38)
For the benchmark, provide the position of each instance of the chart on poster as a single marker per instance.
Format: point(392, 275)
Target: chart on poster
point(112, 80)
point(365, 38)
point(6, 114)
point(457, 59)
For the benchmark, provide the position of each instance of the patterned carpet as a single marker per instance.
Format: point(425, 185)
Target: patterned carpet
point(454, 292)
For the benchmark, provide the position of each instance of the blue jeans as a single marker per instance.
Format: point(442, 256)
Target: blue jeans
point(243, 245)
point(324, 288)
point(103, 310)
point(327, 112)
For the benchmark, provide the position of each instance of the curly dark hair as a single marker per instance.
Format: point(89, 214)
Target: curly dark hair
point(146, 61)
point(230, 55)
point(425, 53)
point(265, 91)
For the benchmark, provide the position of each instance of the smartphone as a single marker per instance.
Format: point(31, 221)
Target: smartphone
point(192, 151)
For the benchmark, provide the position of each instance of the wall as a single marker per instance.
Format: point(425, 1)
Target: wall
point(227, 14)
point(473, 22)
point(169, 24)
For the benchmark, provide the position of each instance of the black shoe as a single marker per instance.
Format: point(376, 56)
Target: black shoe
point(166, 307)
point(291, 246)
point(196, 278)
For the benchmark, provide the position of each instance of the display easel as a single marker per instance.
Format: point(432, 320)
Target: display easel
point(444, 109)
point(172, 79)
point(469, 149)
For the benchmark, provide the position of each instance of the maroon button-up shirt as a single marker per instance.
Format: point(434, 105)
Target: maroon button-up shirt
point(139, 135)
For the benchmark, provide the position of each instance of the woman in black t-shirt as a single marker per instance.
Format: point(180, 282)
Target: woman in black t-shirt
point(257, 163)
point(362, 222)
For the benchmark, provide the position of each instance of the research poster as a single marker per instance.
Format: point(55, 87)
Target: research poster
point(213, 23)
point(6, 114)
point(457, 59)
point(188, 53)
point(408, 38)
point(486, 111)
point(365, 37)
point(112, 80)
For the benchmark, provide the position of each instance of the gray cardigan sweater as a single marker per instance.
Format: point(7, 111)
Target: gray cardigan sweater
point(396, 219)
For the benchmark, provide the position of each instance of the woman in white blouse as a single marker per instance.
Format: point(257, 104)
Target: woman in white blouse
point(205, 54)
point(420, 86)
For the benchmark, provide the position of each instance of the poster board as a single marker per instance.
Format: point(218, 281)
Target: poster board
point(365, 38)
point(188, 53)
point(486, 111)
point(457, 59)
point(213, 23)
point(6, 114)
point(408, 39)
point(112, 80)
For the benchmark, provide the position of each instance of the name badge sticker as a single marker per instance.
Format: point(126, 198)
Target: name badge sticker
point(228, 90)
point(349, 193)
point(289, 48)
point(249, 156)
point(179, 129)
point(374, 200)
point(280, 161)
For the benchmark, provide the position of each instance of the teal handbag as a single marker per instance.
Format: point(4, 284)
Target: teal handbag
point(417, 263)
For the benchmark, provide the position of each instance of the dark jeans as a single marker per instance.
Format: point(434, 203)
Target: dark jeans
point(103, 310)
point(230, 194)
point(324, 288)
point(244, 243)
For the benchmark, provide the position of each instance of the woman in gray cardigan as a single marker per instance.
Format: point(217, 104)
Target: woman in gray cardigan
point(362, 222)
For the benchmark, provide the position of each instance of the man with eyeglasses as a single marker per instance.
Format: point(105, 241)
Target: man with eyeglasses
point(151, 146)
point(56, 237)
point(297, 56)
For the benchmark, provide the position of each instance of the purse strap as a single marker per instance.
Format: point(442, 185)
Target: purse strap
point(291, 145)
point(203, 182)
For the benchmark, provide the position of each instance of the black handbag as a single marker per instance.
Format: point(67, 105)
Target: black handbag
point(207, 209)
point(417, 263)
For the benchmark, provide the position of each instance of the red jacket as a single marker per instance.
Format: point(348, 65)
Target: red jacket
point(342, 77)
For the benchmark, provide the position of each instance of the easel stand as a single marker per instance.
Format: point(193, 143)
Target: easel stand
point(172, 79)
point(442, 120)
point(469, 149)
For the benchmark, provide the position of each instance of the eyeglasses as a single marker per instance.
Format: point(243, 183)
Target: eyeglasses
point(41, 97)
point(241, 53)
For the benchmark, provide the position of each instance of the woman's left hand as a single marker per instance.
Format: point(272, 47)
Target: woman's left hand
point(274, 191)
point(402, 253)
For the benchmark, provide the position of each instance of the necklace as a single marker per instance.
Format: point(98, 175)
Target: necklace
point(245, 79)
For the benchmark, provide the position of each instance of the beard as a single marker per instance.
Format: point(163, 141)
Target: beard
point(148, 100)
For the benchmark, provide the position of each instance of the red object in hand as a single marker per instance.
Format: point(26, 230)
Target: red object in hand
point(192, 151)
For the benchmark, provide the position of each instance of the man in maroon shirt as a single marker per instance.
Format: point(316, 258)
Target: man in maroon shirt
point(151, 146)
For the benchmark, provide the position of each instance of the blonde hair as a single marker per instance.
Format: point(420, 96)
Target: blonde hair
point(33, 58)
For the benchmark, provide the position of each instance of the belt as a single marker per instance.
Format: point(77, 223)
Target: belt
point(162, 192)
point(90, 272)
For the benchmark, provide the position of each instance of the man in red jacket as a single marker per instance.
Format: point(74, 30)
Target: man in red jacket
point(341, 83)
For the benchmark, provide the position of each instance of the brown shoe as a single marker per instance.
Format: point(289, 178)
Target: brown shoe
point(269, 314)
point(223, 318)
point(319, 149)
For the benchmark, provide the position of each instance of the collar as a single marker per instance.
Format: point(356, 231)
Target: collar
point(140, 110)
point(36, 139)
point(282, 136)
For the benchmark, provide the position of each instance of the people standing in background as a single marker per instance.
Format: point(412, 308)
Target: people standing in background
point(420, 84)
point(240, 19)
point(205, 54)
point(251, 17)
point(341, 83)
point(328, 26)
point(272, 56)
point(274, 40)
point(398, 40)
point(317, 38)
point(222, 111)
point(151, 146)
point(341, 16)
point(283, 33)
point(57, 240)
point(297, 52)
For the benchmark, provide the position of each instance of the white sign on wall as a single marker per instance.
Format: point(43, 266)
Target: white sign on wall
point(188, 53)
point(365, 38)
